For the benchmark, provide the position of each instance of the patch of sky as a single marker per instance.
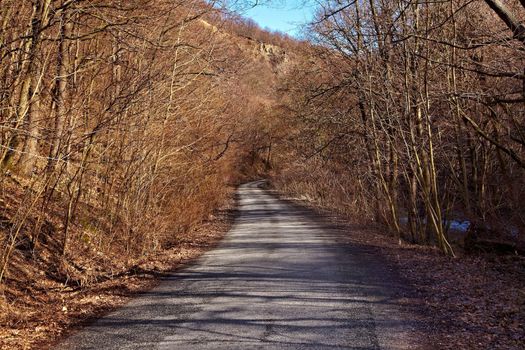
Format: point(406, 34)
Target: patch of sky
point(286, 16)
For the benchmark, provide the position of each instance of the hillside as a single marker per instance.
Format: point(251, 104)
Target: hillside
point(121, 161)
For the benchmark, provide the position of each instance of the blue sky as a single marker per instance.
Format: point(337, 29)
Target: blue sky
point(283, 15)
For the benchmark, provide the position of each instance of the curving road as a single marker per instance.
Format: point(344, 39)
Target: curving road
point(279, 280)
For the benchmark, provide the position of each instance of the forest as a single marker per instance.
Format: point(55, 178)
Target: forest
point(416, 111)
point(127, 125)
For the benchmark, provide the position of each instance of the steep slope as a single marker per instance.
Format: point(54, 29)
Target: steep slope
point(124, 163)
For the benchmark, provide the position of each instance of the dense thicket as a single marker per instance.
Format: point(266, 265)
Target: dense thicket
point(412, 113)
point(122, 119)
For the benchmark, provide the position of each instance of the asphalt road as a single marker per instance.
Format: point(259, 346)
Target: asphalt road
point(279, 280)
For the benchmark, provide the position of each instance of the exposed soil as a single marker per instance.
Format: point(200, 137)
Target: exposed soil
point(467, 302)
point(38, 314)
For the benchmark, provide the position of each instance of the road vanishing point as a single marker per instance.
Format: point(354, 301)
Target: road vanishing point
point(280, 279)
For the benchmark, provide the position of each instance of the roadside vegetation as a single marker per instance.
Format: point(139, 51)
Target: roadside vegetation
point(125, 127)
point(407, 118)
point(411, 114)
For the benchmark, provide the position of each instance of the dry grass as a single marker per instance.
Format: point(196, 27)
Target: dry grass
point(322, 187)
point(44, 296)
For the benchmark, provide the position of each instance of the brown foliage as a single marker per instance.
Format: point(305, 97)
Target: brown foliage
point(124, 126)
point(410, 113)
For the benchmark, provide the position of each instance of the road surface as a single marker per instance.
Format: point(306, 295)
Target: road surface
point(279, 280)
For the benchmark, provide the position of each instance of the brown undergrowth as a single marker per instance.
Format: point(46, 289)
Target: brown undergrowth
point(467, 302)
point(43, 299)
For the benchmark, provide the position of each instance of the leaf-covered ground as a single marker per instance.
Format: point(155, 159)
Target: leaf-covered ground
point(467, 302)
point(36, 315)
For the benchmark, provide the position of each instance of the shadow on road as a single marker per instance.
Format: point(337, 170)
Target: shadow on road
point(279, 280)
